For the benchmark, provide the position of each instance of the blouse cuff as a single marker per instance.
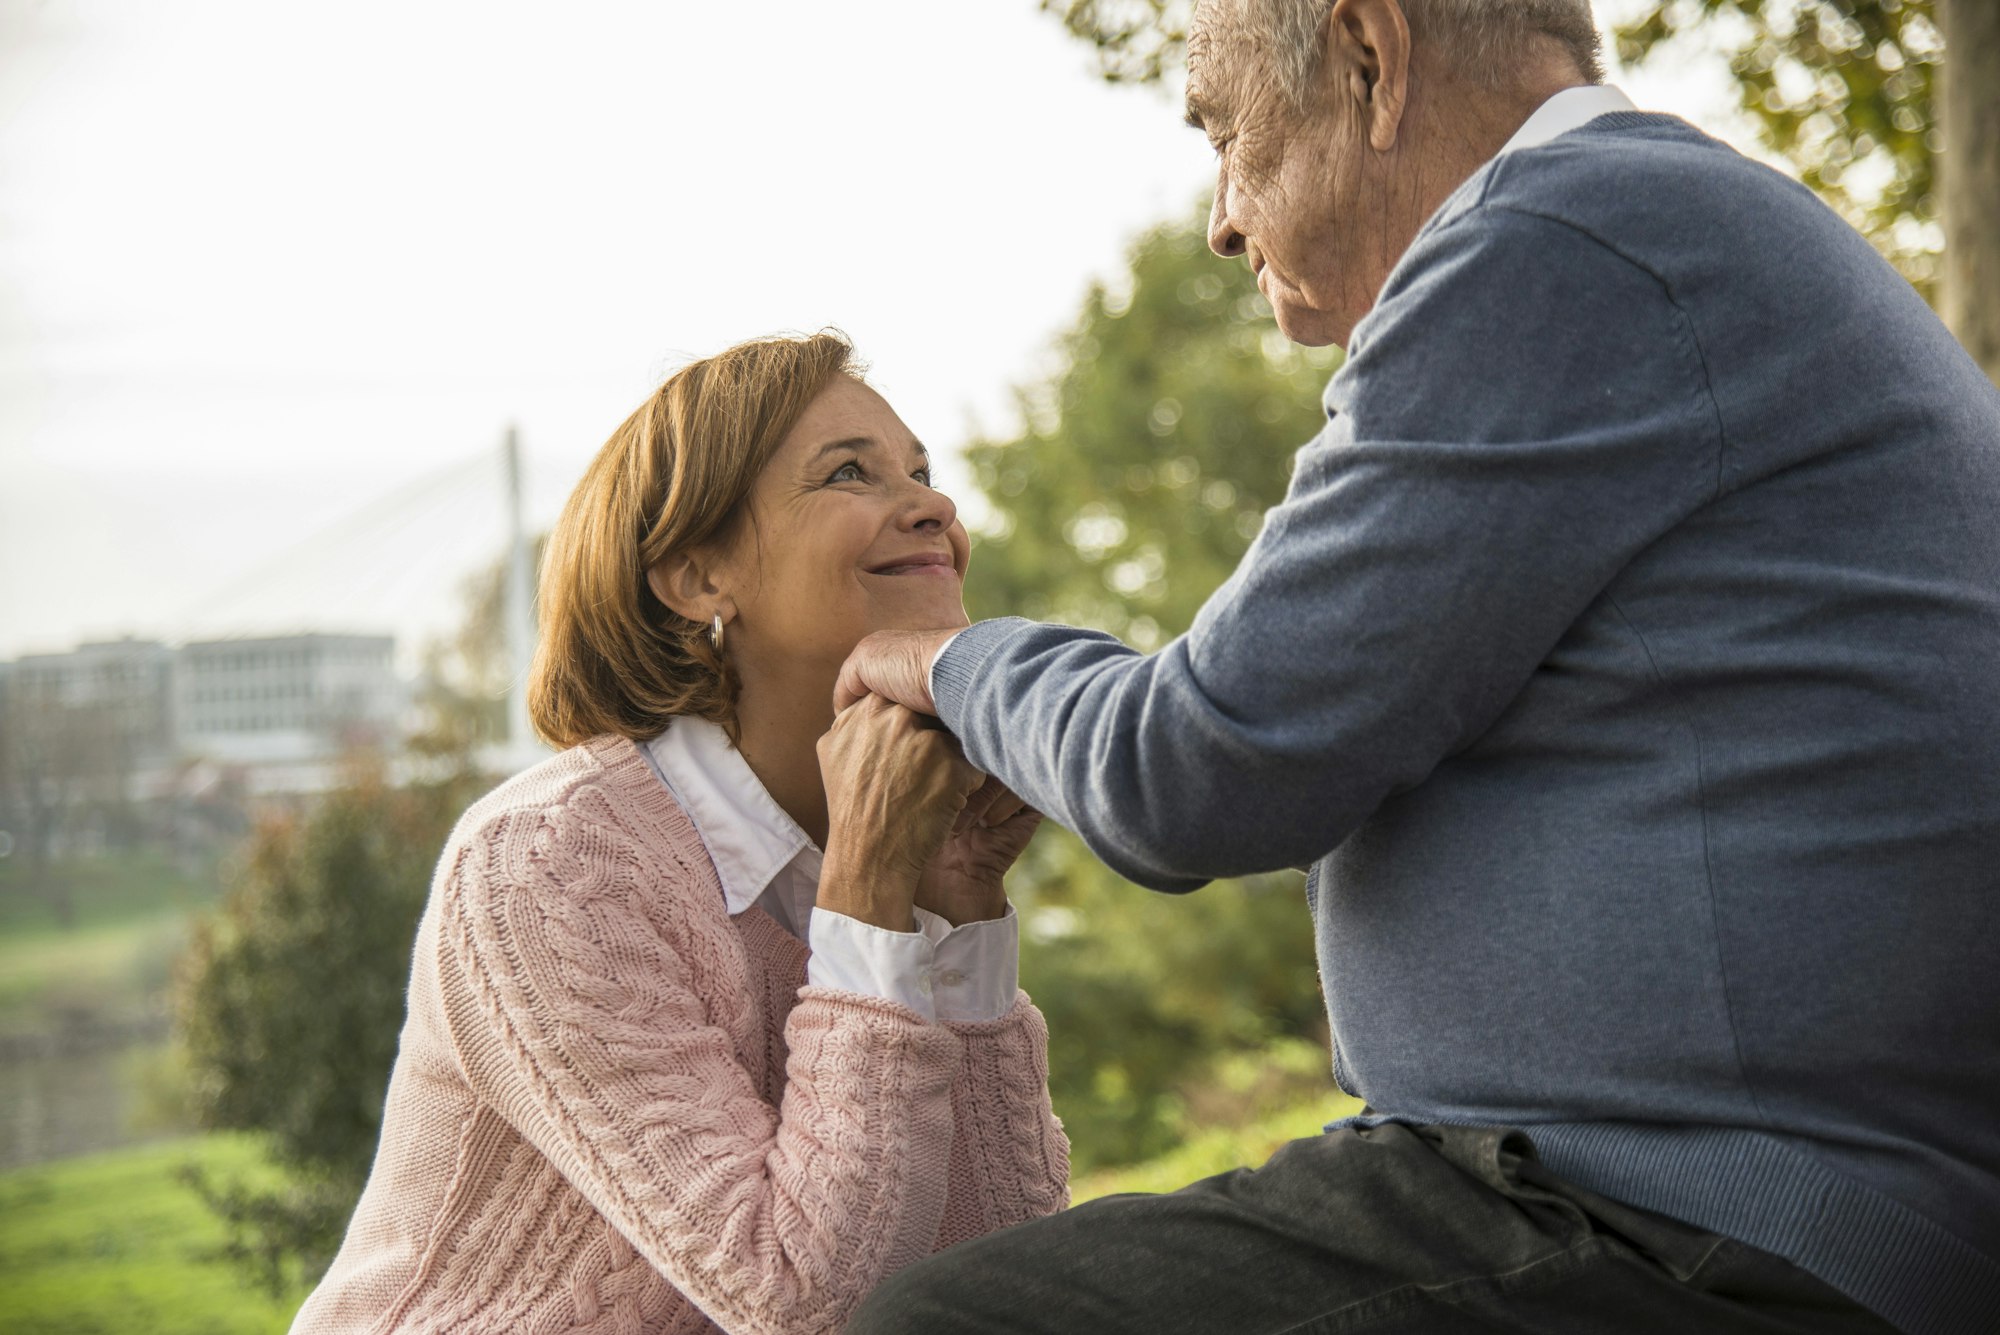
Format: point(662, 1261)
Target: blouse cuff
point(965, 973)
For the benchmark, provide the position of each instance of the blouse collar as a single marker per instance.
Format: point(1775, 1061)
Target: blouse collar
point(749, 837)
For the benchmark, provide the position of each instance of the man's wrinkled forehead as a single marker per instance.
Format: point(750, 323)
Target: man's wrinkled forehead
point(1215, 45)
point(1214, 26)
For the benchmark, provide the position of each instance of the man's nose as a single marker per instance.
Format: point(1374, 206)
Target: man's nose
point(1223, 238)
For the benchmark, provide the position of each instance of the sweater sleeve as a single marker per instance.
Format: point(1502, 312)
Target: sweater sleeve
point(1524, 412)
point(568, 987)
point(1009, 1156)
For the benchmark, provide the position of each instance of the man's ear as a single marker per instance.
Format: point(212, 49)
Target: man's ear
point(686, 582)
point(1367, 55)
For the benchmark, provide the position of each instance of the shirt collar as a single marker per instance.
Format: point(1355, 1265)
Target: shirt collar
point(748, 835)
point(1568, 110)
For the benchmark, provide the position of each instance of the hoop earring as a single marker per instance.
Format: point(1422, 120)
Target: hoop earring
point(715, 632)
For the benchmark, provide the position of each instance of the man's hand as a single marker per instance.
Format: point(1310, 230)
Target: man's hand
point(964, 881)
point(894, 664)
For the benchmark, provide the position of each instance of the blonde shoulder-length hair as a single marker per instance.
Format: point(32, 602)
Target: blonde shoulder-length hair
point(611, 657)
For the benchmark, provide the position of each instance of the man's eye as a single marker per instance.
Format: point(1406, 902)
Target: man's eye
point(848, 472)
point(923, 475)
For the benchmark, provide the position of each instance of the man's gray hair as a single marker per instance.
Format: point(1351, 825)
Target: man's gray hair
point(1487, 40)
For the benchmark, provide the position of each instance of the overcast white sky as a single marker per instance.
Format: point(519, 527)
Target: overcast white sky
point(263, 264)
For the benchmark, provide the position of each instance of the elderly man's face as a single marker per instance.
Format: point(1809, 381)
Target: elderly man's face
point(1301, 195)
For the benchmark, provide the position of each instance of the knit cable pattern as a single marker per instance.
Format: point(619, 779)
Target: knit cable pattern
point(613, 1152)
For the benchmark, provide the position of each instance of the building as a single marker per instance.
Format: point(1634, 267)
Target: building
point(122, 689)
point(286, 699)
point(277, 714)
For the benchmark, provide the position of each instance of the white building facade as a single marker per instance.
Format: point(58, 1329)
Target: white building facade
point(279, 712)
point(287, 699)
point(123, 688)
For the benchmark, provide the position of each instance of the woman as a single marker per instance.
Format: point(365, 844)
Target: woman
point(615, 1107)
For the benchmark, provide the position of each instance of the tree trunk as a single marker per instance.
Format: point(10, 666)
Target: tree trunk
point(1969, 174)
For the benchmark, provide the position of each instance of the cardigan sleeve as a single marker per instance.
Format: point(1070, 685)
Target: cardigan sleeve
point(1009, 1157)
point(571, 999)
point(1524, 413)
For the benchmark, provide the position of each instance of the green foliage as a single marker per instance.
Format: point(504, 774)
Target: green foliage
point(1148, 460)
point(114, 1242)
point(291, 1000)
point(1843, 91)
point(1168, 431)
point(466, 677)
point(1137, 41)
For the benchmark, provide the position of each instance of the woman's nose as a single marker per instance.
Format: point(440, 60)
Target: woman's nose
point(929, 508)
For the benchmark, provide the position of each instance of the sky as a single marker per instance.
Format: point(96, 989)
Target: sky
point(276, 278)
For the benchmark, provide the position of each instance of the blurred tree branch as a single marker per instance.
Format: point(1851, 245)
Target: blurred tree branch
point(1137, 41)
point(1845, 92)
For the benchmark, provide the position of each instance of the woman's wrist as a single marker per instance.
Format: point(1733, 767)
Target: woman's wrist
point(983, 905)
point(878, 897)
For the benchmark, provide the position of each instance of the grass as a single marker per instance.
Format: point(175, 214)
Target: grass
point(115, 1243)
point(107, 971)
point(114, 888)
point(1216, 1150)
point(113, 963)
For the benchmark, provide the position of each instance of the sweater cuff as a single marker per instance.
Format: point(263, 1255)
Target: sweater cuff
point(958, 662)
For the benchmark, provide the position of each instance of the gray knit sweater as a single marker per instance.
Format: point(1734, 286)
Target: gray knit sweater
point(1624, 659)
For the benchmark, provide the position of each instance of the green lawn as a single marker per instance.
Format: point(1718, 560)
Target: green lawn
point(108, 971)
point(112, 888)
point(1217, 1150)
point(112, 963)
point(114, 1243)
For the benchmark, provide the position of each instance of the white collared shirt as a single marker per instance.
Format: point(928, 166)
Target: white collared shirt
point(765, 860)
point(1571, 109)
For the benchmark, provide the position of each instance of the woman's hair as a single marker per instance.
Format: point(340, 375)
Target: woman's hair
point(611, 656)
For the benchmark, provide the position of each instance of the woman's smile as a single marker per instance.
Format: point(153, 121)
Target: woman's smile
point(934, 565)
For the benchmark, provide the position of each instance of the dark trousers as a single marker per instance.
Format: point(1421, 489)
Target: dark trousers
point(1394, 1229)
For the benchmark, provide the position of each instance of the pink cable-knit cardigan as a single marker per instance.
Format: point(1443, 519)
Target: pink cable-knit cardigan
point(617, 1109)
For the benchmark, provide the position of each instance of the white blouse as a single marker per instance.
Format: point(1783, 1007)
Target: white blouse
point(764, 859)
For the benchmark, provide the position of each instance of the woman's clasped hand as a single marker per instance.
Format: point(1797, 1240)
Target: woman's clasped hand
point(911, 822)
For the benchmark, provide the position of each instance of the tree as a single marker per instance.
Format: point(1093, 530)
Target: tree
point(290, 1000)
point(1854, 95)
point(1969, 113)
point(1137, 41)
point(466, 676)
point(1845, 92)
point(1144, 469)
point(65, 773)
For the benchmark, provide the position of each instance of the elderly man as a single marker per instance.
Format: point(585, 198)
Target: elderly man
point(1623, 662)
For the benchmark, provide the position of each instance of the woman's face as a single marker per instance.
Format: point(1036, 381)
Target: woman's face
point(846, 537)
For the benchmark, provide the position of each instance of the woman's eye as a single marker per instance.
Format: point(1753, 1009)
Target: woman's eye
point(848, 472)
